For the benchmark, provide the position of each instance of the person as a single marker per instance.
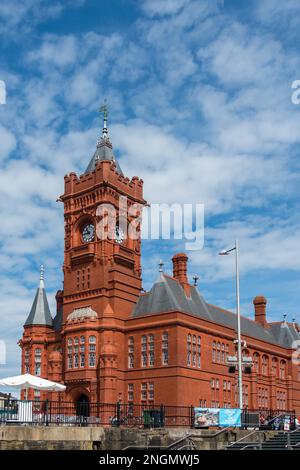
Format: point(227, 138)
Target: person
point(297, 422)
point(276, 424)
point(262, 421)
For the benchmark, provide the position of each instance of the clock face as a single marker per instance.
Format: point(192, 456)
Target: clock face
point(119, 235)
point(88, 233)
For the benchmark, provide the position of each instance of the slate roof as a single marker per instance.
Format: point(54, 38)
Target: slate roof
point(103, 151)
point(40, 312)
point(167, 295)
point(57, 320)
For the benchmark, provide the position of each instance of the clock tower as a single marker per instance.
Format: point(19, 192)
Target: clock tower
point(102, 271)
point(102, 262)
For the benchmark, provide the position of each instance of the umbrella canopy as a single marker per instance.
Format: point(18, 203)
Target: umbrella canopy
point(31, 381)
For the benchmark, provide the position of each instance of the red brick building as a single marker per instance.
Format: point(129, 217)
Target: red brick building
point(110, 341)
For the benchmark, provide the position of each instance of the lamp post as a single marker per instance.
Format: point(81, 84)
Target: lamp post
point(239, 342)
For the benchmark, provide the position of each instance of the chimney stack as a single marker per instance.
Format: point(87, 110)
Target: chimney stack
point(180, 271)
point(260, 303)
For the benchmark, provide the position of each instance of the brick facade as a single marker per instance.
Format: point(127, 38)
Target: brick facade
point(103, 345)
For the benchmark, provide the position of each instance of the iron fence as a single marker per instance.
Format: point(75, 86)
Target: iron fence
point(61, 413)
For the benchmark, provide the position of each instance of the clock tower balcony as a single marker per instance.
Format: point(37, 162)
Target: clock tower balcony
point(83, 254)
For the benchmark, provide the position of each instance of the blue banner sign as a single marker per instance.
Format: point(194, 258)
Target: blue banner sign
point(230, 417)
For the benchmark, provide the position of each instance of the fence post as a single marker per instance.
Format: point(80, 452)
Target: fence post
point(118, 413)
point(46, 411)
point(162, 416)
point(6, 414)
point(191, 416)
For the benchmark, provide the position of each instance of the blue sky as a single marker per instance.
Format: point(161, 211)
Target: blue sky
point(200, 108)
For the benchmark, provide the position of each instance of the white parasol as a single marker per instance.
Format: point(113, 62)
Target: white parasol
point(27, 381)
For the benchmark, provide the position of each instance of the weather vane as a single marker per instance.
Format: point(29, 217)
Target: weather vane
point(161, 265)
point(104, 110)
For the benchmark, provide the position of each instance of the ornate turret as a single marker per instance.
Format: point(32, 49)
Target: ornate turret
point(104, 149)
point(40, 312)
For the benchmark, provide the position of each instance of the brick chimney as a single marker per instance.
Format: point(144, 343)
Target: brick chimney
point(260, 303)
point(180, 271)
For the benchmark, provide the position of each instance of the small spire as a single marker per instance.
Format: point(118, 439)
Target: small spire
point(161, 265)
point(40, 312)
point(294, 320)
point(195, 278)
point(104, 110)
point(284, 317)
point(42, 271)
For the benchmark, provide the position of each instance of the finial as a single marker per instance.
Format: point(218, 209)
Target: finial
point(161, 265)
point(42, 271)
point(104, 110)
point(196, 278)
point(294, 320)
point(284, 317)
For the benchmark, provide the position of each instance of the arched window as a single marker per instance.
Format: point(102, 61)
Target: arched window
point(70, 354)
point(189, 350)
point(151, 342)
point(151, 349)
point(82, 339)
point(274, 367)
point(92, 350)
point(130, 352)
point(199, 352)
point(165, 348)
point(282, 370)
point(218, 352)
point(37, 361)
point(256, 362)
point(76, 340)
point(82, 358)
point(194, 351)
point(144, 351)
point(26, 361)
point(75, 359)
point(265, 365)
point(214, 351)
point(223, 353)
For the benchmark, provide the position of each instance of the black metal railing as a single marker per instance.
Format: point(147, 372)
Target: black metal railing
point(50, 413)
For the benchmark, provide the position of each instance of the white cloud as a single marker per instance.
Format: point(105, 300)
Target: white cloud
point(266, 243)
point(23, 15)
point(8, 142)
point(180, 171)
point(159, 8)
point(59, 52)
point(240, 56)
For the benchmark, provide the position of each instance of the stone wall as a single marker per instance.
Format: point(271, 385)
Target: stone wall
point(99, 438)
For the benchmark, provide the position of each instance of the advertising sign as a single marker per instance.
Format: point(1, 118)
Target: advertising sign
point(287, 423)
point(205, 417)
point(230, 417)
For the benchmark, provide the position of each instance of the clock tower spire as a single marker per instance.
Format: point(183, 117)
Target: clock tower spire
point(103, 273)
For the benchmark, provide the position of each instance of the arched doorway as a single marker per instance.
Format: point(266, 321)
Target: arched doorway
point(83, 408)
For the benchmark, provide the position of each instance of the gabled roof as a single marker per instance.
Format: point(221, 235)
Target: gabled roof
point(168, 295)
point(40, 312)
point(285, 333)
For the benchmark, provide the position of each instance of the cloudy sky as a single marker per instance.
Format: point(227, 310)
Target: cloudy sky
point(200, 107)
